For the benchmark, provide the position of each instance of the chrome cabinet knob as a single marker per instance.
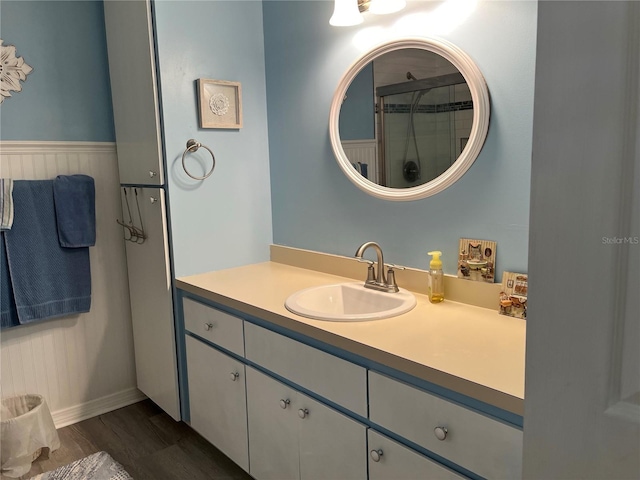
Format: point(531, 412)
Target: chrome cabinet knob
point(440, 432)
point(375, 455)
point(208, 326)
point(152, 174)
point(284, 403)
point(153, 199)
point(303, 412)
point(234, 376)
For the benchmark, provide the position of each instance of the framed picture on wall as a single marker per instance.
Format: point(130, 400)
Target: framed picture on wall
point(220, 103)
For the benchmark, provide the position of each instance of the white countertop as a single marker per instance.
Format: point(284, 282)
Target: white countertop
point(470, 350)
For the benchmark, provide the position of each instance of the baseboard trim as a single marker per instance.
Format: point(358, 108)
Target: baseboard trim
point(92, 408)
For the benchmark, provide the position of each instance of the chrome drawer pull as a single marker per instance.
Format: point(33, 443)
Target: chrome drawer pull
point(208, 326)
point(284, 403)
point(303, 412)
point(234, 376)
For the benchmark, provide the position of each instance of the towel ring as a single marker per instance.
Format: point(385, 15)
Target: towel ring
point(193, 146)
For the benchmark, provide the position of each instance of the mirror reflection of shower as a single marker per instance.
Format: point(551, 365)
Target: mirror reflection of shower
point(423, 125)
point(411, 168)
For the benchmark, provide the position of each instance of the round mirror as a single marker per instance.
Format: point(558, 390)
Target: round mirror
point(409, 118)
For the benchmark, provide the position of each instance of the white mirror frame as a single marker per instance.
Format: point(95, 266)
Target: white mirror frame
point(479, 129)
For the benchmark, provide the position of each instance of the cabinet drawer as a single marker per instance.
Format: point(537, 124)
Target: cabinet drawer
point(478, 443)
point(388, 460)
point(331, 377)
point(218, 327)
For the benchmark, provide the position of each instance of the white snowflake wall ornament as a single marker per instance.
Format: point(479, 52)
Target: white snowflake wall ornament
point(219, 104)
point(13, 70)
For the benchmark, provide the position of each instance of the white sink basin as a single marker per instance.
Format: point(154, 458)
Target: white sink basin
point(349, 302)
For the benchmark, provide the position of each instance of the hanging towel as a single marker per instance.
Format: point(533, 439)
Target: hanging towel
point(75, 201)
point(364, 170)
point(6, 203)
point(47, 279)
point(8, 314)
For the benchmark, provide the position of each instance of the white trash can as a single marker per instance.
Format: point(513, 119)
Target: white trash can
point(27, 432)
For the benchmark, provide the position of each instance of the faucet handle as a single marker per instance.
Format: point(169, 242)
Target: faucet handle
point(364, 260)
point(391, 275)
point(392, 267)
point(371, 273)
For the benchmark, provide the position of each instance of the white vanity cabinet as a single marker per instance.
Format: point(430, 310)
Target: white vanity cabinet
point(283, 409)
point(293, 436)
point(480, 444)
point(389, 460)
point(217, 399)
point(330, 377)
point(217, 391)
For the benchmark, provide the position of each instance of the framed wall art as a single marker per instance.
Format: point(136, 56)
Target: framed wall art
point(220, 103)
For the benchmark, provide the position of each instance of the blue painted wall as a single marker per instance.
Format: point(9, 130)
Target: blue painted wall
point(225, 220)
point(67, 96)
point(317, 208)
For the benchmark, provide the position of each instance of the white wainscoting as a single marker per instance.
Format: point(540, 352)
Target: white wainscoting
point(82, 364)
point(363, 151)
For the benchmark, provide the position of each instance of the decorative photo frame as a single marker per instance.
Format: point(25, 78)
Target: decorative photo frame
point(220, 103)
point(513, 296)
point(477, 260)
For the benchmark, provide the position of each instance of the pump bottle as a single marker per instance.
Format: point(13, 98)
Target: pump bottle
point(436, 278)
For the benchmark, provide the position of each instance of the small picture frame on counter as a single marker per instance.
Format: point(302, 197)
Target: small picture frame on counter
point(220, 103)
point(513, 295)
point(477, 260)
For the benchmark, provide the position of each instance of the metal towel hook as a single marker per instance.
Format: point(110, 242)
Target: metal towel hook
point(193, 146)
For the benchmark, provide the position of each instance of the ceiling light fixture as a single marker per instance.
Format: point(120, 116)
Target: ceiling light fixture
point(349, 12)
point(345, 13)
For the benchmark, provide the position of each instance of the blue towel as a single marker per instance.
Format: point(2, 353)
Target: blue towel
point(47, 279)
point(362, 168)
point(75, 200)
point(8, 314)
point(6, 203)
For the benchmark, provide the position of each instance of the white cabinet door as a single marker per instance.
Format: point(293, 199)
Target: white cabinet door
point(133, 91)
point(151, 300)
point(388, 460)
point(292, 436)
point(332, 445)
point(217, 400)
point(273, 435)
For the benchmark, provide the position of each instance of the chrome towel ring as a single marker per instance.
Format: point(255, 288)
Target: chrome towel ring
point(193, 146)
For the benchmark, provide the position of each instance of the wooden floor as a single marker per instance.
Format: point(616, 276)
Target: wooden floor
point(147, 442)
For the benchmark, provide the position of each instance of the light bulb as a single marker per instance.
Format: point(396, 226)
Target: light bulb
point(345, 13)
point(382, 7)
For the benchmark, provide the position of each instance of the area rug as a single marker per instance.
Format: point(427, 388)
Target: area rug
point(99, 466)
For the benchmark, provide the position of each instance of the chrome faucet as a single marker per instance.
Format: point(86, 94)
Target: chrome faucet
point(377, 281)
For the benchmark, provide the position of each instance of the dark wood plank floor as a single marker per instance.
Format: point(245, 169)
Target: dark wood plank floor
point(147, 442)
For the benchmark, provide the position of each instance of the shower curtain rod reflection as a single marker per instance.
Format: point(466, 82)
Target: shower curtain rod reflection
point(422, 84)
